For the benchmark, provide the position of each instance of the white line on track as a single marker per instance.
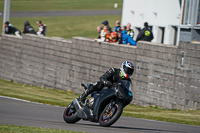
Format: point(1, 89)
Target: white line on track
point(17, 99)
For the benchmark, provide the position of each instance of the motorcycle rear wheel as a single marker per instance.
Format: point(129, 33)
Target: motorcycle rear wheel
point(106, 118)
point(70, 114)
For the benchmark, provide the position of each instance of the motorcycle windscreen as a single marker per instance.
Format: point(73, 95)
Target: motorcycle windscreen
point(125, 91)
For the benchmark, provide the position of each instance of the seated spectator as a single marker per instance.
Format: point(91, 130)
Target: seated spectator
point(129, 31)
point(28, 28)
point(105, 32)
point(42, 28)
point(126, 39)
point(117, 28)
point(9, 29)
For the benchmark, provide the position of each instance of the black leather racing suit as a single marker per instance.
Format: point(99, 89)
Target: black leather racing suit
point(111, 76)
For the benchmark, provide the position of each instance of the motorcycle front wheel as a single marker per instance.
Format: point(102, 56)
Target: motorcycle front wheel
point(110, 114)
point(70, 114)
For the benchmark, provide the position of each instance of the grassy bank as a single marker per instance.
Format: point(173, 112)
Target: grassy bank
point(61, 5)
point(68, 26)
point(63, 98)
point(27, 129)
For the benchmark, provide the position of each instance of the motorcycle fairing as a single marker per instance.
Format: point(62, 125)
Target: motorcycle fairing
point(104, 95)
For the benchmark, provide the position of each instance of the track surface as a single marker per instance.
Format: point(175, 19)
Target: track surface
point(18, 112)
point(63, 13)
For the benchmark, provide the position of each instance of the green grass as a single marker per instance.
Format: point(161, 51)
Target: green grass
point(63, 98)
point(61, 5)
point(191, 117)
point(27, 129)
point(36, 94)
point(68, 26)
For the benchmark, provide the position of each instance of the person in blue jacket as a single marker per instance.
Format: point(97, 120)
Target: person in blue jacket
point(126, 39)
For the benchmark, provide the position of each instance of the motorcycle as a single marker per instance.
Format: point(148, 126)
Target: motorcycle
point(105, 106)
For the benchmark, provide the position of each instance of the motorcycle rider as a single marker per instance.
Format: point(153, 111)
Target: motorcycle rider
point(111, 76)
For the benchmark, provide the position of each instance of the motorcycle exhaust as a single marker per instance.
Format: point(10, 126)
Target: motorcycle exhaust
point(80, 111)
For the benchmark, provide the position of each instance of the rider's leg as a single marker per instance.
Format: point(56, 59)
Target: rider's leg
point(95, 87)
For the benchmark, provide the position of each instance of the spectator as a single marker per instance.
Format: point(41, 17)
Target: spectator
point(129, 31)
point(15, 31)
point(123, 28)
point(99, 28)
point(126, 39)
point(113, 37)
point(9, 29)
point(117, 28)
point(42, 28)
point(28, 28)
point(119, 38)
point(145, 34)
point(105, 32)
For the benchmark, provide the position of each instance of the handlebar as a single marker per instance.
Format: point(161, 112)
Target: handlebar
point(83, 85)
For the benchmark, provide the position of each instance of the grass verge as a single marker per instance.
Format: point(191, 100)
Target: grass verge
point(27, 129)
point(67, 26)
point(61, 5)
point(63, 98)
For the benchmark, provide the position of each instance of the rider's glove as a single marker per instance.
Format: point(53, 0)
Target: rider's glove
point(107, 83)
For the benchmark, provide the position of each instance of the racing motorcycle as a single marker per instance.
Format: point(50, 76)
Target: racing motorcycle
point(105, 106)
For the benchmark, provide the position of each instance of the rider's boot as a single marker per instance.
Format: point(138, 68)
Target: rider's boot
point(83, 96)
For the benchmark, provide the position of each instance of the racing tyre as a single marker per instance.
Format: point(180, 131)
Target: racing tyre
point(110, 114)
point(70, 114)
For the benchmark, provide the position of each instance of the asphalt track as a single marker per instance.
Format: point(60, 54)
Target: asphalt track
point(62, 13)
point(19, 112)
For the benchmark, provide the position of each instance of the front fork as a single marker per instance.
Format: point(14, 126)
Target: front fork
point(110, 106)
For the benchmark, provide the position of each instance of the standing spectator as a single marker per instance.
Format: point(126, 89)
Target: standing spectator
point(117, 28)
point(105, 32)
point(129, 31)
point(28, 28)
point(42, 28)
point(7, 28)
point(145, 34)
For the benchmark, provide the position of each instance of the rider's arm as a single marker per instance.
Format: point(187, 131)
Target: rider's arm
point(108, 75)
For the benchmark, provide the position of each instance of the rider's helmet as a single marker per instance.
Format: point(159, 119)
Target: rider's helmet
point(127, 69)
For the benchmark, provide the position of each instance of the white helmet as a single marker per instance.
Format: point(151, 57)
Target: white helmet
point(127, 69)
